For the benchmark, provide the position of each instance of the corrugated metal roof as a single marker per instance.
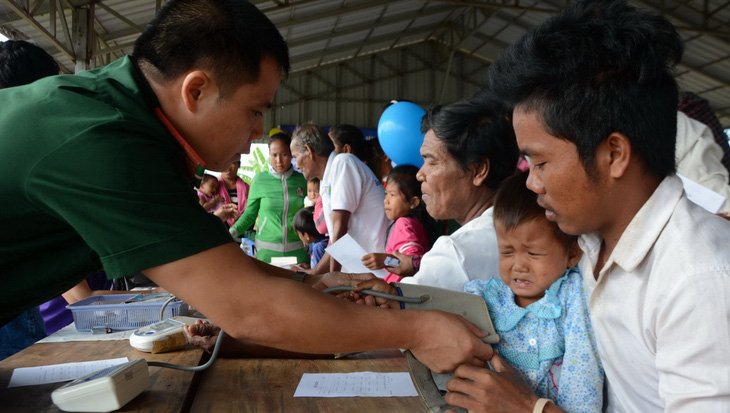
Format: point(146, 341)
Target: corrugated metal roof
point(325, 32)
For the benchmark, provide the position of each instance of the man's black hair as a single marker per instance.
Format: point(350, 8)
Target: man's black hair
point(22, 62)
point(228, 37)
point(351, 135)
point(474, 131)
point(601, 66)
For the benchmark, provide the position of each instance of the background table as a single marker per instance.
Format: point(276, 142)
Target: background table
point(230, 385)
point(170, 390)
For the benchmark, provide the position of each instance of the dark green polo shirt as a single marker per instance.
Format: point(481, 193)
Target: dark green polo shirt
point(90, 178)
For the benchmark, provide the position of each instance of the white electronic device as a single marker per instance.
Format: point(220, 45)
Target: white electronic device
point(104, 390)
point(162, 336)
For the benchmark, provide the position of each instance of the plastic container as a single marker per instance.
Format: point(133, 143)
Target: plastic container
point(112, 312)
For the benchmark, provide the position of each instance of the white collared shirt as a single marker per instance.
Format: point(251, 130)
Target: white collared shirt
point(470, 253)
point(661, 307)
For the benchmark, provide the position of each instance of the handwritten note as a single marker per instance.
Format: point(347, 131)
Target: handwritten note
point(57, 373)
point(349, 253)
point(362, 384)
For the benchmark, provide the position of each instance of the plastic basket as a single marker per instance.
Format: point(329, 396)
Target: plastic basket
point(111, 312)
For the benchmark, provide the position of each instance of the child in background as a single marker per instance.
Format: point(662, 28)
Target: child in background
point(412, 230)
point(208, 193)
point(312, 192)
point(303, 224)
point(538, 306)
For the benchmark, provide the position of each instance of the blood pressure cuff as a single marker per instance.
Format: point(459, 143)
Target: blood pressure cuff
point(470, 306)
point(431, 387)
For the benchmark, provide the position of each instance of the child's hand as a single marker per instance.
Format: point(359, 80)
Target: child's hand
point(376, 284)
point(374, 261)
point(226, 212)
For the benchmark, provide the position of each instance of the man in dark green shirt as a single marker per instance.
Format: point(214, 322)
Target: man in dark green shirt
point(97, 169)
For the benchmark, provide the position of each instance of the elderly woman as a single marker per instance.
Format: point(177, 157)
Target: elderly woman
point(468, 150)
point(275, 196)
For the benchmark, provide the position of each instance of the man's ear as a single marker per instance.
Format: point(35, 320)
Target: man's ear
point(310, 152)
point(480, 172)
point(196, 86)
point(347, 148)
point(614, 153)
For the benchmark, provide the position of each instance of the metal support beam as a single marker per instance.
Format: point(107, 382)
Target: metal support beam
point(344, 88)
point(25, 15)
point(130, 23)
point(83, 35)
point(490, 5)
point(359, 44)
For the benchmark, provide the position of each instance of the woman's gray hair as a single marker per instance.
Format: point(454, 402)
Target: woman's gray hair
point(476, 131)
point(312, 135)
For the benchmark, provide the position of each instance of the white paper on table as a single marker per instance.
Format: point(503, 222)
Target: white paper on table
point(283, 262)
point(69, 333)
point(56, 373)
point(702, 196)
point(362, 384)
point(349, 254)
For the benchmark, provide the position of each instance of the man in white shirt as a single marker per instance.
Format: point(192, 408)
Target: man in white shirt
point(595, 113)
point(352, 196)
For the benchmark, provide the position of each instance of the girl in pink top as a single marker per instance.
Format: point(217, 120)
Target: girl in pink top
point(409, 233)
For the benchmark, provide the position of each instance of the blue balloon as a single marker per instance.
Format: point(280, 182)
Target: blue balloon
point(399, 133)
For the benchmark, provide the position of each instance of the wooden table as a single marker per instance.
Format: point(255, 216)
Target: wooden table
point(170, 390)
point(268, 385)
point(230, 385)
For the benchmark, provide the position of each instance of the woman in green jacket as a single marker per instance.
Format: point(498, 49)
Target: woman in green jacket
point(275, 196)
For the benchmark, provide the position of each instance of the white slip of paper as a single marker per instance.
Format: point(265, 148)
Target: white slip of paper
point(362, 384)
point(702, 196)
point(349, 254)
point(57, 373)
point(69, 333)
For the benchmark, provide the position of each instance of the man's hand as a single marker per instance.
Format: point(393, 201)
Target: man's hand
point(374, 261)
point(478, 389)
point(445, 341)
point(375, 284)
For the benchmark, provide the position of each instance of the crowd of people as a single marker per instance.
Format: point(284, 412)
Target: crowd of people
point(607, 286)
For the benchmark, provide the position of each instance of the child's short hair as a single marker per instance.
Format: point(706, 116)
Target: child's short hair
point(304, 222)
point(515, 204)
point(313, 181)
point(207, 177)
